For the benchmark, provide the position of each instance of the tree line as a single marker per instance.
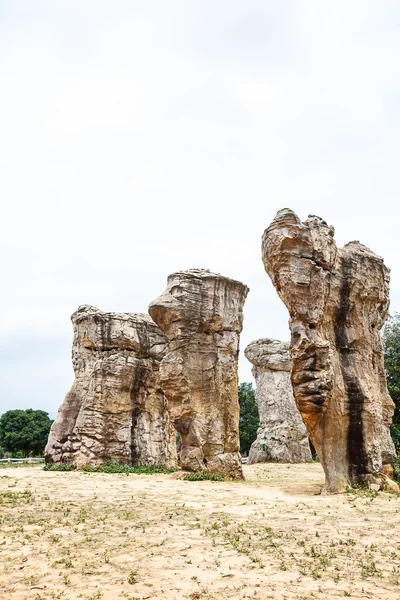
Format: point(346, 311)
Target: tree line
point(24, 432)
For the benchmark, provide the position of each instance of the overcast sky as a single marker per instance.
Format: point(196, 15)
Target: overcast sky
point(142, 137)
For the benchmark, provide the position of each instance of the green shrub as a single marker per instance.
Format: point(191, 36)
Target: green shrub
point(59, 467)
point(203, 476)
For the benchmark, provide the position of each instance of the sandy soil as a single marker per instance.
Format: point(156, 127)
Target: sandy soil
point(94, 535)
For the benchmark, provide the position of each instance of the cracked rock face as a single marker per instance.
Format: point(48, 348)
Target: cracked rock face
point(201, 316)
point(116, 409)
point(282, 435)
point(338, 301)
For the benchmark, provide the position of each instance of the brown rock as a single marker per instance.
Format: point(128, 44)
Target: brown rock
point(115, 409)
point(338, 302)
point(201, 316)
point(282, 435)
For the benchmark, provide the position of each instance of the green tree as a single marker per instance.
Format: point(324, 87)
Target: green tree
point(249, 420)
point(391, 340)
point(24, 431)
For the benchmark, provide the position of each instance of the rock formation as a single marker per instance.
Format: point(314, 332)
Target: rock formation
point(338, 301)
point(115, 409)
point(282, 435)
point(201, 316)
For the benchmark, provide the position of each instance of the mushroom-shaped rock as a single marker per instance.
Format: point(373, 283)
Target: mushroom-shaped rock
point(201, 316)
point(282, 435)
point(338, 301)
point(116, 409)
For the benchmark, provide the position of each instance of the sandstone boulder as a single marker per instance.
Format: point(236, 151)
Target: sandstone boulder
point(282, 435)
point(116, 409)
point(201, 316)
point(338, 301)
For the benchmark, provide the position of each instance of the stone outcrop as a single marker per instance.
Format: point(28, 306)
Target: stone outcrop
point(201, 316)
point(338, 301)
point(116, 409)
point(282, 435)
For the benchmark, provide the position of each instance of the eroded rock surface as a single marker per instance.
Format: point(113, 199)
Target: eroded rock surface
point(201, 316)
point(282, 435)
point(116, 409)
point(338, 301)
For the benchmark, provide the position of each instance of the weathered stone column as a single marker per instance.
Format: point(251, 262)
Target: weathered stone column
point(338, 302)
point(282, 435)
point(116, 409)
point(201, 316)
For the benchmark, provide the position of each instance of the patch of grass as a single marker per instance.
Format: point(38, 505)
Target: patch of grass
point(58, 467)
point(362, 490)
point(23, 465)
point(112, 467)
point(14, 498)
point(203, 476)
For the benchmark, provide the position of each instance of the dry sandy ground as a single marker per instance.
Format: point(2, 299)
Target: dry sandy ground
point(94, 535)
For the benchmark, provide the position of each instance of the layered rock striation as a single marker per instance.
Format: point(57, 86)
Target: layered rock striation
point(116, 409)
point(338, 301)
point(282, 435)
point(201, 316)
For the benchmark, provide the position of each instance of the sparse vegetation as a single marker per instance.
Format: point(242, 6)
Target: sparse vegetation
point(83, 537)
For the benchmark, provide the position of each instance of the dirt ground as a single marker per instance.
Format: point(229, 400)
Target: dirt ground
point(75, 535)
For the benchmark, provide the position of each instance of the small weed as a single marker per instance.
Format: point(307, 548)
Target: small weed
point(369, 570)
point(132, 579)
point(96, 596)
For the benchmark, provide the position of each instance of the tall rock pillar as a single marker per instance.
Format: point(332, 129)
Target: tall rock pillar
point(116, 409)
point(201, 316)
point(282, 435)
point(338, 300)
